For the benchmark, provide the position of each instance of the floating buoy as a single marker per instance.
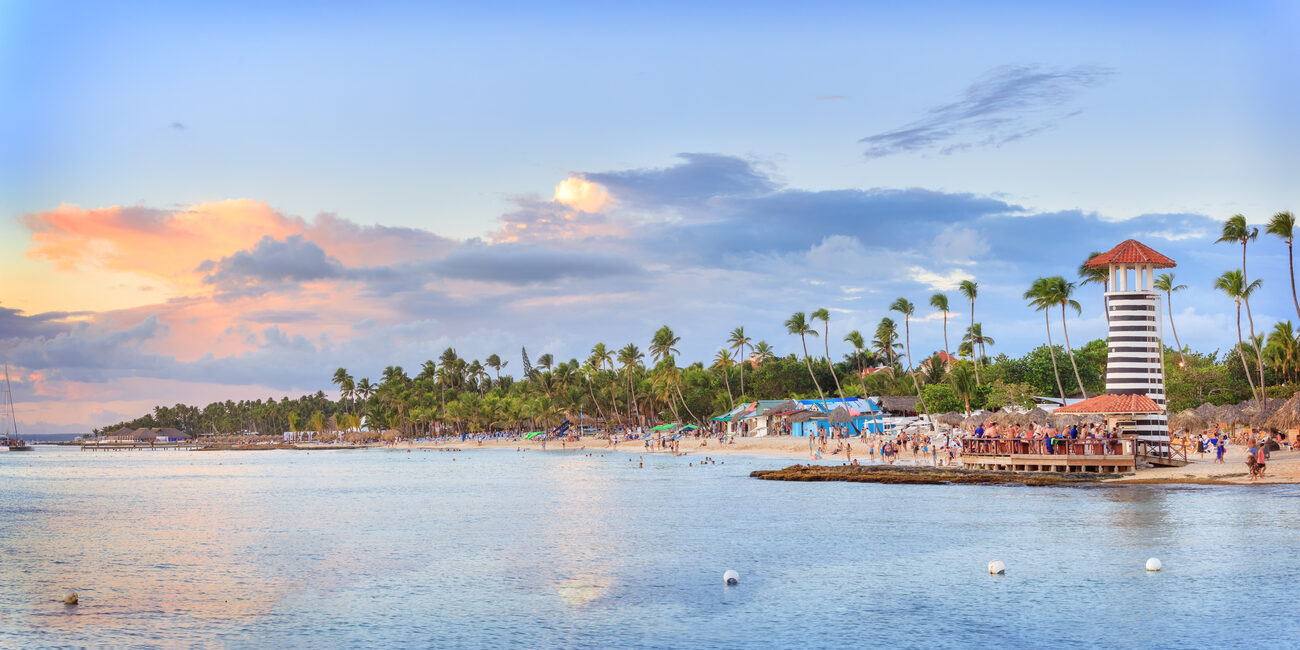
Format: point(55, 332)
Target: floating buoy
point(1154, 564)
point(730, 577)
point(997, 568)
point(70, 598)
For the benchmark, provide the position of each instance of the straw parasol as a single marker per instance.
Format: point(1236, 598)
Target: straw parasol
point(1206, 411)
point(1287, 416)
point(840, 415)
point(1037, 416)
point(951, 418)
point(977, 418)
point(1065, 420)
point(1187, 419)
point(1259, 411)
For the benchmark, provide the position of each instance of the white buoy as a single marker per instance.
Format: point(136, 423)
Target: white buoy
point(1154, 564)
point(730, 577)
point(997, 568)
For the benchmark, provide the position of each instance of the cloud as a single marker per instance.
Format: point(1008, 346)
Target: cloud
point(178, 126)
point(14, 324)
point(581, 194)
point(832, 98)
point(939, 281)
point(278, 316)
point(527, 265)
point(695, 181)
point(1007, 104)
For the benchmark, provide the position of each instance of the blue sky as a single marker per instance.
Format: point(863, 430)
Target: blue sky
point(838, 155)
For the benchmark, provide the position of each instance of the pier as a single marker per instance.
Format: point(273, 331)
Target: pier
point(1092, 455)
point(124, 445)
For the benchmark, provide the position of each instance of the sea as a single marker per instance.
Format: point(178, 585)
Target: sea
point(384, 548)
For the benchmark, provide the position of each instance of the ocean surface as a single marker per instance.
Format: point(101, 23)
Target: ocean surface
point(496, 548)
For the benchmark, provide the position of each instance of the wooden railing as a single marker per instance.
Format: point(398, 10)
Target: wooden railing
point(1174, 450)
point(1122, 446)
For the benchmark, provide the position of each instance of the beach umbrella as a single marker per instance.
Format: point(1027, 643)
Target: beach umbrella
point(1206, 411)
point(1065, 420)
point(1286, 416)
point(977, 418)
point(1187, 419)
point(951, 418)
point(840, 415)
point(1037, 416)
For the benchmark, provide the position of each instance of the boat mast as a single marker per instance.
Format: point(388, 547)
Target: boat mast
point(9, 398)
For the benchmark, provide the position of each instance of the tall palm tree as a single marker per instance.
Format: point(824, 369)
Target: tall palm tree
point(859, 344)
point(630, 357)
point(825, 317)
point(798, 324)
point(763, 351)
point(940, 302)
point(886, 341)
point(962, 380)
point(364, 390)
point(496, 364)
point(1283, 225)
point(1285, 349)
point(738, 341)
point(663, 345)
point(1235, 230)
point(970, 289)
point(905, 307)
point(344, 381)
point(1233, 284)
point(974, 341)
point(723, 361)
point(1040, 297)
point(1062, 293)
point(1165, 282)
point(1089, 275)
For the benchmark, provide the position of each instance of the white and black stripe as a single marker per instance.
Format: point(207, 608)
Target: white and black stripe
point(1133, 362)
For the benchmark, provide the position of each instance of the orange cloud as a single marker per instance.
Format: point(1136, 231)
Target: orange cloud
point(581, 194)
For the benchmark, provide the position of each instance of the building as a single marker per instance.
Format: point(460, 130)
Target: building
point(1135, 359)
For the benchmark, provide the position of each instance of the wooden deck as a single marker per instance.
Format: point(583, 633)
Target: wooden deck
point(1107, 455)
point(138, 446)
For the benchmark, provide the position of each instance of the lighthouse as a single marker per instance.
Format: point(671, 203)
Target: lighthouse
point(1135, 355)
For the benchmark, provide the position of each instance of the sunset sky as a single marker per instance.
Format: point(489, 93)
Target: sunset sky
point(229, 202)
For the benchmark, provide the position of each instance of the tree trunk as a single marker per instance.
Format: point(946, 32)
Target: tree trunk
point(1242, 353)
point(946, 350)
point(907, 336)
point(1259, 354)
point(743, 362)
point(808, 361)
point(1291, 263)
point(1052, 354)
point(827, 342)
point(726, 378)
point(1071, 351)
point(974, 349)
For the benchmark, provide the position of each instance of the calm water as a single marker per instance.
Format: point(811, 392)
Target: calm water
point(498, 548)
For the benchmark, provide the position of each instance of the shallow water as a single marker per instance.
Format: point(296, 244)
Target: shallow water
point(495, 547)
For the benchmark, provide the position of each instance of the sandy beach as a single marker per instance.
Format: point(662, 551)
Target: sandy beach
point(1283, 466)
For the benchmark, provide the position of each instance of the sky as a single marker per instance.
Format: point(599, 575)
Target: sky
point(231, 200)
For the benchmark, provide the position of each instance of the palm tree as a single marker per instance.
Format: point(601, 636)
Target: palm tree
point(1165, 282)
point(1089, 275)
point(495, 363)
point(798, 324)
point(940, 302)
point(364, 390)
point(601, 356)
point(663, 346)
point(970, 289)
point(905, 307)
point(1285, 349)
point(859, 344)
point(1283, 225)
point(1062, 293)
point(1236, 230)
point(1233, 284)
point(630, 357)
point(963, 382)
point(1040, 297)
point(344, 381)
point(763, 351)
point(738, 340)
point(886, 341)
point(722, 360)
point(825, 317)
point(546, 361)
point(974, 341)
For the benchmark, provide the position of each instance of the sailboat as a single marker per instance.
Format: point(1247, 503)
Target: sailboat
point(11, 441)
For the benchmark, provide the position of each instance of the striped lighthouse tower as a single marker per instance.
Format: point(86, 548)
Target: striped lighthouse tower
point(1135, 359)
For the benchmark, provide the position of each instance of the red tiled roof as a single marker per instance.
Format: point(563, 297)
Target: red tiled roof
point(1113, 404)
point(1132, 251)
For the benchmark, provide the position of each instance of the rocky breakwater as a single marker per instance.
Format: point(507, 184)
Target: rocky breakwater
point(921, 475)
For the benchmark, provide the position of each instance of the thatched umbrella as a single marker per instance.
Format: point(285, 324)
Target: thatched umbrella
point(1065, 420)
point(977, 418)
point(390, 435)
point(1206, 411)
point(1287, 416)
point(951, 418)
point(1037, 416)
point(1008, 418)
point(840, 415)
point(1187, 419)
point(1224, 414)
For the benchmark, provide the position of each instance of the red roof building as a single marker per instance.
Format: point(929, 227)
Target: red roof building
point(1131, 252)
point(1113, 404)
